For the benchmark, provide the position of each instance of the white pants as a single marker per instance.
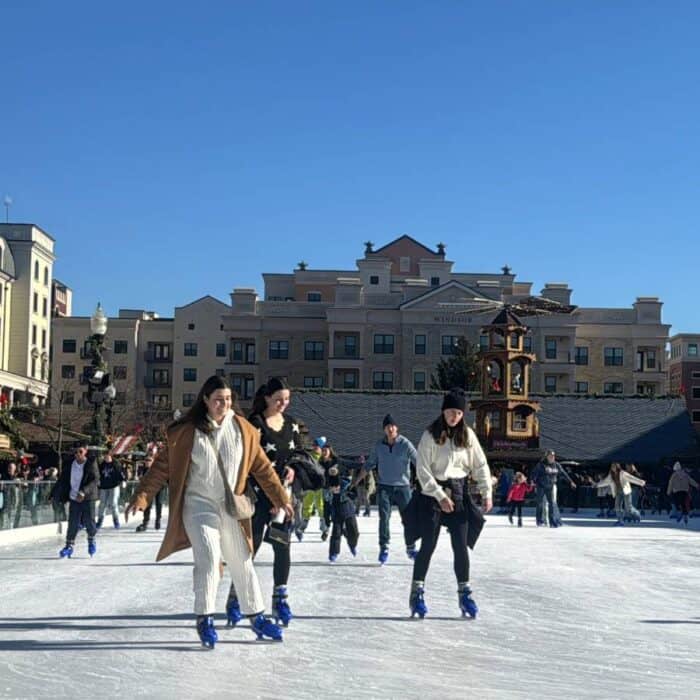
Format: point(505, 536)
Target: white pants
point(214, 536)
point(109, 498)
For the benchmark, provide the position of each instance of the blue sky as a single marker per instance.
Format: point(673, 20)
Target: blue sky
point(180, 149)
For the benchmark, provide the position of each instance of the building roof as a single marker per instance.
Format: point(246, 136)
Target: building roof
point(506, 318)
point(405, 236)
point(582, 428)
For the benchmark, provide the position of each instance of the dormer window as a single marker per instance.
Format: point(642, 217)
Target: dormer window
point(434, 281)
point(374, 279)
point(404, 264)
point(313, 296)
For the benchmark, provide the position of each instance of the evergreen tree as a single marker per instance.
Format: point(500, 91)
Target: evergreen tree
point(458, 370)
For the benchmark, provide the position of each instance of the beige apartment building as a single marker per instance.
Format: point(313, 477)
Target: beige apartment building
point(385, 324)
point(26, 276)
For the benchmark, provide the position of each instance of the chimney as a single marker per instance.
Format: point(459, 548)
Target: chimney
point(558, 292)
point(244, 301)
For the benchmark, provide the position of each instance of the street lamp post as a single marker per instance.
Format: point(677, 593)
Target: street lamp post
point(101, 392)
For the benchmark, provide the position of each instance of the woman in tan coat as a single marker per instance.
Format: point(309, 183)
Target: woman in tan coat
point(210, 451)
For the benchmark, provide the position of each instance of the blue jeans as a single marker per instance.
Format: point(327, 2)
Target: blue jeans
point(545, 496)
point(388, 496)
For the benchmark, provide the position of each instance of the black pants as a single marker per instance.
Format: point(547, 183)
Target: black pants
point(431, 522)
point(680, 499)
point(81, 512)
point(347, 527)
point(516, 505)
point(158, 500)
point(282, 559)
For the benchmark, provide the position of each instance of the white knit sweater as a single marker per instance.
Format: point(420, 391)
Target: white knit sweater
point(441, 462)
point(204, 480)
point(625, 481)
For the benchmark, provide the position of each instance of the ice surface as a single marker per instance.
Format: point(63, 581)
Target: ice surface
point(586, 611)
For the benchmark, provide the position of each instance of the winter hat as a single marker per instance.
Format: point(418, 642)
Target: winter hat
point(677, 467)
point(388, 420)
point(320, 441)
point(455, 398)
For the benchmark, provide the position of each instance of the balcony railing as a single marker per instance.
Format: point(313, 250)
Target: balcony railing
point(150, 356)
point(151, 383)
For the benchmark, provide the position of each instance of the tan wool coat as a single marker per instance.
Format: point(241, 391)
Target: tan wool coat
point(172, 467)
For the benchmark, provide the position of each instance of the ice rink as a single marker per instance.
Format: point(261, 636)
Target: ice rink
point(585, 611)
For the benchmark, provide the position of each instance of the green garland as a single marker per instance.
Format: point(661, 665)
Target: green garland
point(9, 426)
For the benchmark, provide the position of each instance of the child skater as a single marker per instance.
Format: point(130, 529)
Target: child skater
point(342, 512)
point(516, 496)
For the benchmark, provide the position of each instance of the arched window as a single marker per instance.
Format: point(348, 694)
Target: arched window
point(36, 269)
point(46, 275)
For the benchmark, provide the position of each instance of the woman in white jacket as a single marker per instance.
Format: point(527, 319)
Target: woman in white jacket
point(448, 453)
point(620, 483)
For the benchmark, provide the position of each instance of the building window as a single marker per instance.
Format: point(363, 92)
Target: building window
point(374, 279)
point(581, 387)
point(519, 421)
point(250, 353)
point(161, 400)
point(161, 351)
point(237, 350)
point(36, 269)
point(120, 371)
point(161, 377)
point(121, 347)
point(550, 383)
point(449, 344)
point(242, 386)
point(68, 397)
point(404, 264)
point(696, 375)
point(419, 345)
point(494, 419)
point(279, 349)
point(696, 416)
point(33, 336)
point(350, 346)
point(67, 371)
point(189, 374)
point(220, 373)
point(46, 276)
point(313, 382)
point(612, 388)
point(45, 307)
point(43, 338)
point(35, 303)
point(349, 380)
point(434, 281)
point(190, 349)
point(483, 342)
point(527, 343)
point(383, 381)
point(550, 349)
point(313, 350)
point(313, 296)
point(221, 349)
point(651, 359)
point(383, 344)
point(419, 381)
point(692, 349)
point(188, 400)
point(613, 357)
point(581, 355)
point(696, 392)
point(120, 398)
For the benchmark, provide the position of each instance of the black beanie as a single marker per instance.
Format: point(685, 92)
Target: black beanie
point(455, 398)
point(388, 420)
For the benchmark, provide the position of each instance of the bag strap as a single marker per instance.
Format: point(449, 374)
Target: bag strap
point(227, 487)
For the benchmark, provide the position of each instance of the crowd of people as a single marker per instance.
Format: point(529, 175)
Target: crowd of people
point(233, 483)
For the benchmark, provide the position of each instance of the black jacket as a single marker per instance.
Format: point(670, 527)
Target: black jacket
point(88, 485)
point(111, 474)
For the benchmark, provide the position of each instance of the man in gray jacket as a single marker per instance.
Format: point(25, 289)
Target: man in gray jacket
point(392, 457)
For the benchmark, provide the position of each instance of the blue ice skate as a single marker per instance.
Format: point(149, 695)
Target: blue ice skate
point(466, 602)
point(619, 523)
point(233, 612)
point(206, 631)
point(383, 556)
point(92, 548)
point(411, 551)
point(416, 601)
point(332, 558)
point(263, 627)
point(280, 608)
point(66, 552)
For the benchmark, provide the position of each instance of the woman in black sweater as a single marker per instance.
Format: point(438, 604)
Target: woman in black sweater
point(279, 436)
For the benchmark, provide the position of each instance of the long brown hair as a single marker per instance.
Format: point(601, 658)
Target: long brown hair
point(615, 473)
point(441, 431)
point(198, 413)
point(268, 389)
